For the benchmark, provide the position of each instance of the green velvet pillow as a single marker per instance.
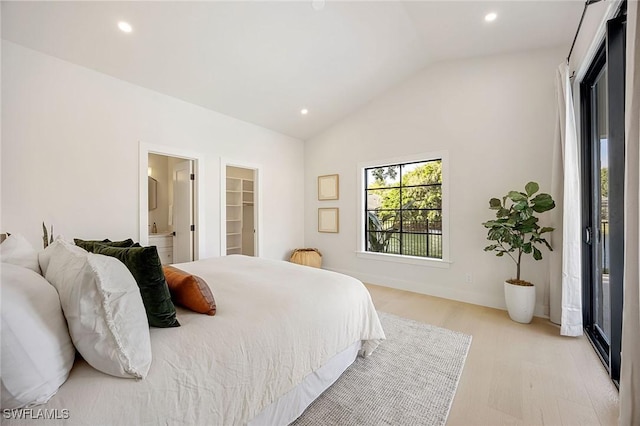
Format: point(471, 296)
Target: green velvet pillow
point(144, 265)
point(89, 245)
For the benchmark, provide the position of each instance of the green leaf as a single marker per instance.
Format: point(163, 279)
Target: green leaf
point(491, 247)
point(516, 196)
point(500, 254)
point(502, 212)
point(527, 248)
point(496, 234)
point(517, 241)
point(525, 227)
point(537, 254)
point(491, 224)
point(521, 205)
point(546, 229)
point(542, 203)
point(531, 188)
point(495, 204)
point(527, 213)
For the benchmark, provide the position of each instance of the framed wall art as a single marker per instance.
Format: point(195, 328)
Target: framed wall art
point(328, 220)
point(328, 187)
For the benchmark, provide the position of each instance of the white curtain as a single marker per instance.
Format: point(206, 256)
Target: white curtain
point(554, 298)
point(565, 295)
point(630, 369)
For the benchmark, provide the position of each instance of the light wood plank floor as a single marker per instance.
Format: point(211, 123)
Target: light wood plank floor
point(515, 374)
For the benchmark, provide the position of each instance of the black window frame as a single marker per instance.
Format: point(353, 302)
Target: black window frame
point(610, 56)
point(428, 232)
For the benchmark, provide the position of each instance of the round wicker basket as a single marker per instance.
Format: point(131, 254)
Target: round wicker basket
point(307, 256)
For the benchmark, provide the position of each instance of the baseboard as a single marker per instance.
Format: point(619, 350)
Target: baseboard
point(437, 291)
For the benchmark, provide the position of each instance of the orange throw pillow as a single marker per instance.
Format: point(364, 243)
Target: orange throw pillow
point(190, 291)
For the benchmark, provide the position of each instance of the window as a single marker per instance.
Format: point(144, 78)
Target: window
point(403, 209)
point(603, 158)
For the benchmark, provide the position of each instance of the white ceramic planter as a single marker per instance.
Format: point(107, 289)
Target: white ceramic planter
point(521, 302)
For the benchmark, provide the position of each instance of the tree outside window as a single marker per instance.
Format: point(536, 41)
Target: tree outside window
point(404, 209)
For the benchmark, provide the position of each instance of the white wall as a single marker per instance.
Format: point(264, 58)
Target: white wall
point(496, 118)
point(70, 141)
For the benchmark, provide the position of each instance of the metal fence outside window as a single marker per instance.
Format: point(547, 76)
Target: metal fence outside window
point(415, 236)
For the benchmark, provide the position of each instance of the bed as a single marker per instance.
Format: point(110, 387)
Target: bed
point(282, 334)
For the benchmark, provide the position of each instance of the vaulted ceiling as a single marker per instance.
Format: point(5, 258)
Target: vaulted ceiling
point(262, 62)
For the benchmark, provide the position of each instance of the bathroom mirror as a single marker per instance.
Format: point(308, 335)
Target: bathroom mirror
point(153, 193)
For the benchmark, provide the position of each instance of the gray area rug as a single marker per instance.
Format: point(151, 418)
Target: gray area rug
point(410, 379)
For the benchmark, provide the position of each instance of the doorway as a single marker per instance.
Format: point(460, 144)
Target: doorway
point(171, 194)
point(603, 160)
point(241, 214)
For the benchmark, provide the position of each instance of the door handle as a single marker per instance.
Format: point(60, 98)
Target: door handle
point(587, 235)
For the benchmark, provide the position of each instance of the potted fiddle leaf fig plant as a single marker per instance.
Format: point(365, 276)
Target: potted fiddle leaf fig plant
point(515, 231)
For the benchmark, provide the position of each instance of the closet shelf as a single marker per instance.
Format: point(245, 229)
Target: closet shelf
point(240, 200)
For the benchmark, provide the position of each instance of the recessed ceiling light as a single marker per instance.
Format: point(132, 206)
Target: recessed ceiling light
point(490, 17)
point(304, 111)
point(125, 27)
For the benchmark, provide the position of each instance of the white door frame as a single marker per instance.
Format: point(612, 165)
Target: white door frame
point(198, 191)
point(257, 204)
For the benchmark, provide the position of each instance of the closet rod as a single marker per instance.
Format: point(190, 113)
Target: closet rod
point(586, 4)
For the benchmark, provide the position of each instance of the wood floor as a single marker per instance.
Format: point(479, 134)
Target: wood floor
point(515, 374)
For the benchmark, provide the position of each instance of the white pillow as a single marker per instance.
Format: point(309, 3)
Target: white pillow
point(37, 353)
point(17, 251)
point(45, 255)
point(104, 310)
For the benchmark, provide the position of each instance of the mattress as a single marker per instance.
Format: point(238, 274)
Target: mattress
point(276, 324)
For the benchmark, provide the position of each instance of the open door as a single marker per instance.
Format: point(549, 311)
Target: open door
point(241, 213)
point(183, 228)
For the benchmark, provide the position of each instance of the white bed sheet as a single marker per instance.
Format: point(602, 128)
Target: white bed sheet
point(292, 404)
point(275, 324)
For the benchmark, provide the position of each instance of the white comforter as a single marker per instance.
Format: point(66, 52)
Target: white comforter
point(276, 322)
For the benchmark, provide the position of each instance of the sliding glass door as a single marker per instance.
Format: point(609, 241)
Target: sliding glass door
point(597, 229)
point(602, 117)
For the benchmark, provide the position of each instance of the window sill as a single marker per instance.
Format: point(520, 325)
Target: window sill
point(410, 260)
